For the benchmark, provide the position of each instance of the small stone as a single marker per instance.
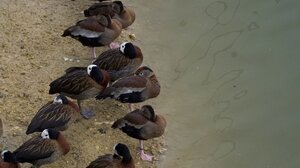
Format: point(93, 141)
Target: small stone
point(132, 36)
point(66, 59)
point(102, 130)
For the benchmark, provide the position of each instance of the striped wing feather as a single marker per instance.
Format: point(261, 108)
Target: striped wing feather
point(50, 116)
point(112, 60)
point(72, 83)
point(34, 149)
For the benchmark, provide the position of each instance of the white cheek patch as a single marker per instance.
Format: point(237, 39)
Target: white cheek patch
point(85, 33)
point(57, 100)
point(89, 68)
point(122, 47)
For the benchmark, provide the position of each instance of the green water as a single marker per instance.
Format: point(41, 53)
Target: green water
point(230, 72)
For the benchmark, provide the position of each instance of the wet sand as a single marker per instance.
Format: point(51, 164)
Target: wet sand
point(32, 54)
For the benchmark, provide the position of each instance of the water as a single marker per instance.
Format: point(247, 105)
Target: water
point(230, 74)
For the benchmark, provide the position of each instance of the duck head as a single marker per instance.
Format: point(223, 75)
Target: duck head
point(95, 73)
point(128, 50)
point(121, 150)
point(7, 156)
point(148, 112)
point(50, 134)
point(60, 99)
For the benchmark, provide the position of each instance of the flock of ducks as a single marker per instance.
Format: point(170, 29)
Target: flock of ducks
point(116, 73)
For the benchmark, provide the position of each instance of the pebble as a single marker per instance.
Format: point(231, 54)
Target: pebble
point(132, 36)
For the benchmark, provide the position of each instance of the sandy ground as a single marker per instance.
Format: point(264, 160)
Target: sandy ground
point(32, 54)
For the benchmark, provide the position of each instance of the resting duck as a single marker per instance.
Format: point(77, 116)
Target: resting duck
point(81, 84)
point(115, 9)
point(133, 89)
point(43, 150)
point(120, 159)
point(142, 124)
point(120, 62)
point(95, 31)
point(57, 114)
point(102, 8)
point(123, 14)
point(8, 160)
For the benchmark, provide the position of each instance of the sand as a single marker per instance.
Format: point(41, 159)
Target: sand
point(32, 54)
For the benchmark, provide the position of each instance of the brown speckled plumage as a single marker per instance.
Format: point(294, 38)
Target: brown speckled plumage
point(39, 151)
point(117, 64)
point(54, 115)
point(77, 84)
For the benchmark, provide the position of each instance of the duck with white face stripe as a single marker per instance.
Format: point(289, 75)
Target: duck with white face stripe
point(81, 84)
point(58, 114)
point(120, 62)
point(8, 160)
point(46, 148)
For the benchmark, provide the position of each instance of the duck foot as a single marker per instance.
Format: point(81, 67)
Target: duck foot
point(114, 45)
point(145, 156)
point(87, 114)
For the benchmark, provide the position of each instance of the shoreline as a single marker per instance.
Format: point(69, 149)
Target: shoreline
point(32, 55)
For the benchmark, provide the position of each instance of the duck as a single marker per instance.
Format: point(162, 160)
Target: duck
point(120, 62)
point(123, 14)
point(142, 124)
point(95, 31)
point(120, 159)
point(137, 88)
point(8, 160)
point(102, 8)
point(57, 114)
point(81, 84)
point(116, 9)
point(43, 149)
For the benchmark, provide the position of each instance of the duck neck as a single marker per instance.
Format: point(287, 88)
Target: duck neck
point(64, 144)
point(127, 159)
point(74, 106)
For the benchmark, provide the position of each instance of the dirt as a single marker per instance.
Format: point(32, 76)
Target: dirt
point(32, 54)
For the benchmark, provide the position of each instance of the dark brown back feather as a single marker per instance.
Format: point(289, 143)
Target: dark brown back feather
point(104, 161)
point(72, 83)
point(34, 149)
point(51, 116)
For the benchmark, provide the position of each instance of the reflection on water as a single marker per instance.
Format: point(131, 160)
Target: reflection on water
point(229, 71)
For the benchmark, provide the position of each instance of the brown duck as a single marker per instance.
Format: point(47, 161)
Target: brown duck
point(115, 9)
point(120, 159)
point(142, 124)
point(133, 89)
point(123, 14)
point(102, 8)
point(95, 31)
point(81, 84)
point(44, 149)
point(8, 160)
point(57, 114)
point(120, 62)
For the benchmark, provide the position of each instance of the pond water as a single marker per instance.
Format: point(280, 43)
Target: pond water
point(230, 72)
